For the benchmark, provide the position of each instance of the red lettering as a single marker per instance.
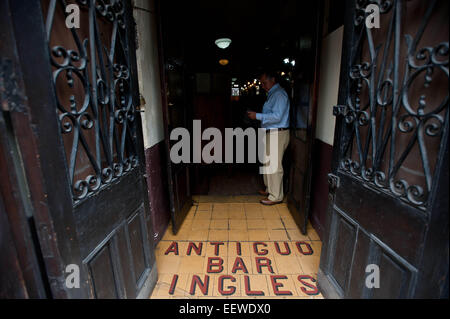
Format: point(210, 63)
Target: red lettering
point(314, 291)
point(263, 262)
point(173, 284)
point(198, 250)
point(214, 262)
point(231, 289)
point(287, 250)
point(203, 285)
point(258, 252)
point(239, 265)
point(276, 285)
point(216, 247)
point(173, 248)
point(238, 248)
point(248, 290)
point(309, 250)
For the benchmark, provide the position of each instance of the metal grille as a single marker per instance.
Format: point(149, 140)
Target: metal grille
point(397, 100)
point(92, 83)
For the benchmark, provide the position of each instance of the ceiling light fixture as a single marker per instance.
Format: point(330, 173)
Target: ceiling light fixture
point(223, 62)
point(223, 43)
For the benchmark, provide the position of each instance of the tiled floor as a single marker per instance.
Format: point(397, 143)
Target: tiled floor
point(238, 250)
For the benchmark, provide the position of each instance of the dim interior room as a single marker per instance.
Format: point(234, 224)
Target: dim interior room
point(218, 85)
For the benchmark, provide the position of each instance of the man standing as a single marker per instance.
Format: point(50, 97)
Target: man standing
point(275, 119)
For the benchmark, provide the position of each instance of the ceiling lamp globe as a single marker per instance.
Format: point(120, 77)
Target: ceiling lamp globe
point(223, 43)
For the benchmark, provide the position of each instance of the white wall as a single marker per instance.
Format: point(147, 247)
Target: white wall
point(330, 67)
point(148, 71)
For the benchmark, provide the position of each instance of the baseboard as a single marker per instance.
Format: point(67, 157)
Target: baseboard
point(315, 222)
point(149, 283)
point(326, 288)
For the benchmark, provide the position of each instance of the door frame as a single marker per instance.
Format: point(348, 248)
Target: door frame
point(16, 147)
point(37, 155)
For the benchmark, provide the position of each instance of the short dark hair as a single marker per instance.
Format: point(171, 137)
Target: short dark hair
point(270, 73)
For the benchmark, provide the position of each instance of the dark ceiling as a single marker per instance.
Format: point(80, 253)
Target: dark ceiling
point(262, 32)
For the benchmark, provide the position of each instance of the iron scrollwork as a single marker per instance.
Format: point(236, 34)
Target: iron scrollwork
point(101, 120)
point(379, 110)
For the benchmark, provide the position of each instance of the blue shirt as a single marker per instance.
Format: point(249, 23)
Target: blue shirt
point(275, 112)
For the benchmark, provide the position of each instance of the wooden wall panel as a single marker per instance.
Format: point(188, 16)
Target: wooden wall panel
point(136, 240)
point(343, 250)
point(102, 274)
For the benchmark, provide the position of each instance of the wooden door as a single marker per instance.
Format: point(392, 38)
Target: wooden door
point(303, 112)
point(177, 113)
point(83, 155)
point(299, 154)
point(389, 183)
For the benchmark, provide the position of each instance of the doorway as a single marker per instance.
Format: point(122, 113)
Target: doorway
point(217, 86)
point(227, 243)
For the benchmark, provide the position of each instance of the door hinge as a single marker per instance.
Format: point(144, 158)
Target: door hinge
point(333, 182)
point(141, 107)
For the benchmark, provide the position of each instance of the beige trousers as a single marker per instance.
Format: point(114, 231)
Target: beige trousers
point(274, 181)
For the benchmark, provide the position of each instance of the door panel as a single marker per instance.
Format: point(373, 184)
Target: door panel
point(104, 212)
point(102, 274)
point(391, 133)
point(303, 122)
point(90, 145)
point(180, 193)
point(299, 177)
point(374, 218)
point(136, 240)
point(177, 113)
point(395, 281)
point(344, 243)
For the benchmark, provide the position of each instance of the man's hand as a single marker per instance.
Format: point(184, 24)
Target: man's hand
point(251, 115)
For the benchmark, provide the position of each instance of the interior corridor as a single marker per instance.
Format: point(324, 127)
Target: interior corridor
point(234, 247)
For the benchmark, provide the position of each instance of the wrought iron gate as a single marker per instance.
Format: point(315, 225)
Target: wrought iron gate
point(100, 119)
point(387, 121)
